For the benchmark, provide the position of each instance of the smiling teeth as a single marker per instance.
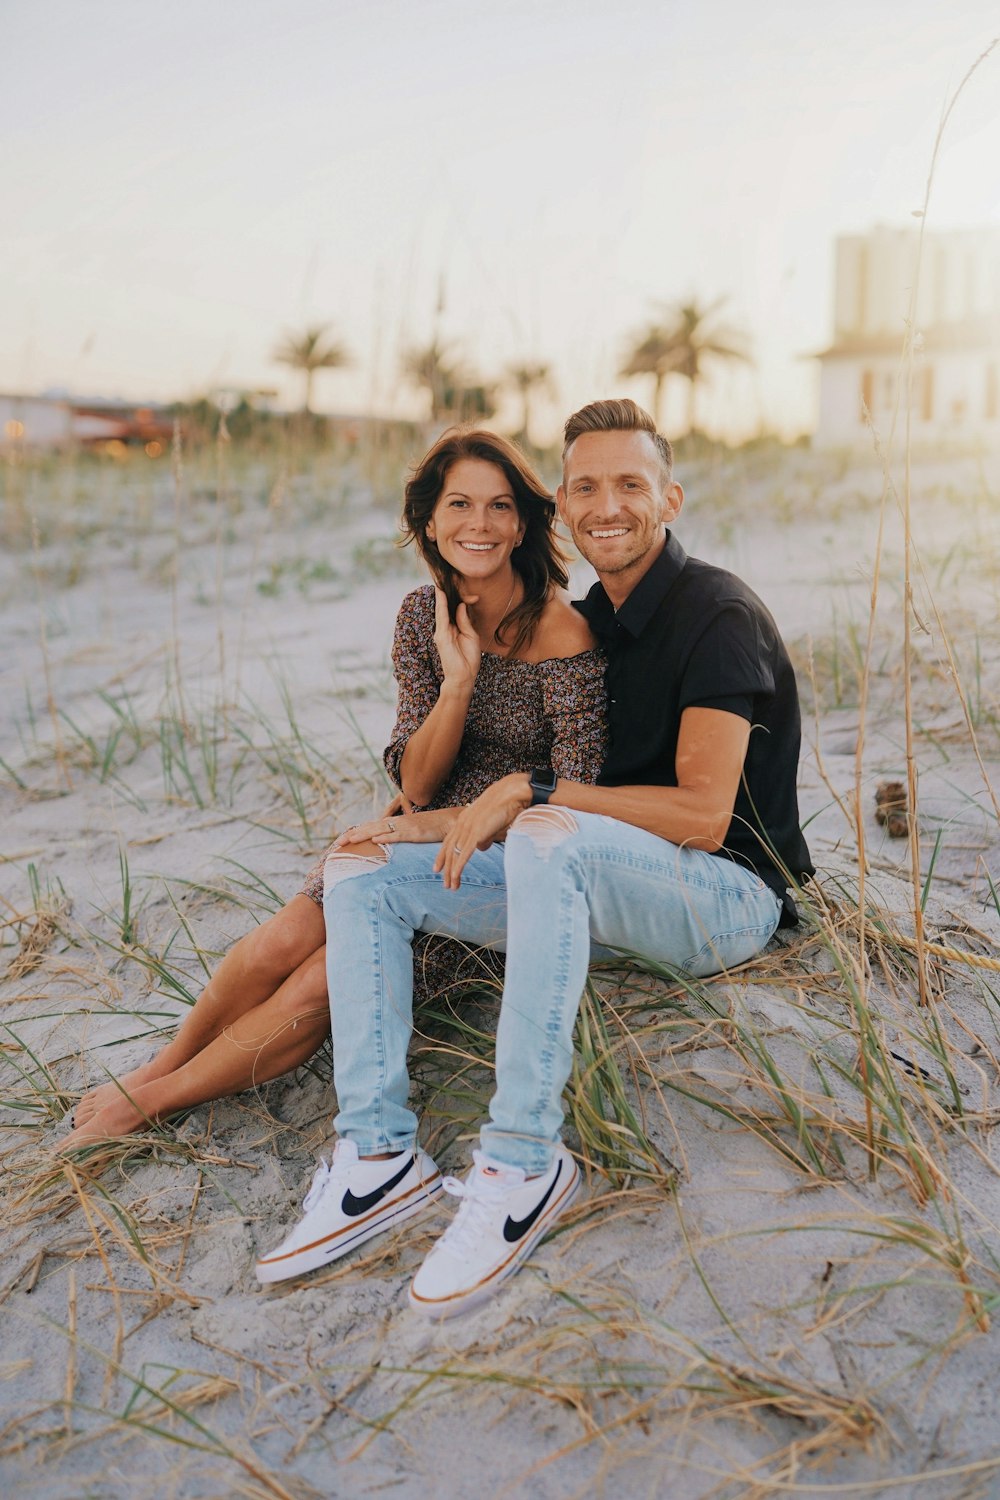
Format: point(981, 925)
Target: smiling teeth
point(478, 546)
point(611, 531)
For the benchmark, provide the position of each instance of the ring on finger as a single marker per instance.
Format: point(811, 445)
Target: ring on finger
point(457, 848)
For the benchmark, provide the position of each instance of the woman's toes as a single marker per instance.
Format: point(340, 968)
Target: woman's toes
point(117, 1119)
point(94, 1101)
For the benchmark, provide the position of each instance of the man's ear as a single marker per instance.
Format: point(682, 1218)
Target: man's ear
point(673, 500)
point(561, 503)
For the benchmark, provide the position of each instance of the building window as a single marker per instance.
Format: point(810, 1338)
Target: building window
point(867, 394)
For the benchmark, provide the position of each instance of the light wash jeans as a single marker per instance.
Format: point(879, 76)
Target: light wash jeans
point(565, 887)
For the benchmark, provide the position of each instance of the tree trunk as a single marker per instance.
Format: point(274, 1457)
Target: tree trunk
point(307, 405)
point(659, 380)
point(692, 383)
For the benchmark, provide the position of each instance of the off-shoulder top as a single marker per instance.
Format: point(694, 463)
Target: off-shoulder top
point(522, 713)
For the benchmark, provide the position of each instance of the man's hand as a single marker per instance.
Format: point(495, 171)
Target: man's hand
point(408, 828)
point(481, 824)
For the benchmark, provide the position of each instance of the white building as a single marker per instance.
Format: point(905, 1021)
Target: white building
point(955, 388)
point(34, 422)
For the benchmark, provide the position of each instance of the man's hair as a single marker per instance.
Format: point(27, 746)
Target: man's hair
point(617, 416)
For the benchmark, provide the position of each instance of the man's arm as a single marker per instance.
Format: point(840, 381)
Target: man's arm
point(711, 749)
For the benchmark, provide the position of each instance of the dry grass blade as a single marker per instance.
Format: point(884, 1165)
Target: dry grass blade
point(148, 1407)
point(908, 553)
point(800, 1306)
point(71, 1350)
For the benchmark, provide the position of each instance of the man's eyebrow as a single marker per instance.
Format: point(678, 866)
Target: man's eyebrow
point(589, 478)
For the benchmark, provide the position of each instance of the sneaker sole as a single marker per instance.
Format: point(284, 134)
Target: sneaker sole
point(463, 1302)
point(342, 1241)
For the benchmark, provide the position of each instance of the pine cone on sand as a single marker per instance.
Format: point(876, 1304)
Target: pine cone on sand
point(890, 808)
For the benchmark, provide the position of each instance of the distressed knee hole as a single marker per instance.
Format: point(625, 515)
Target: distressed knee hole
point(546, 827)
point(344, 865)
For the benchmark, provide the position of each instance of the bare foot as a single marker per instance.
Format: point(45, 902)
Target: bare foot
point(97, 1099)
point(118, 1118)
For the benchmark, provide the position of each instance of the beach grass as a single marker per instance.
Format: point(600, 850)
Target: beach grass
point(785, 1273)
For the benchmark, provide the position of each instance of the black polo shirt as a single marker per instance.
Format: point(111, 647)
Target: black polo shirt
point(694, 636)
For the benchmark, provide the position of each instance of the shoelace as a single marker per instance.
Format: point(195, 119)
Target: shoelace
point(464, 1234)
point(319, 1184)
point(323, 1177)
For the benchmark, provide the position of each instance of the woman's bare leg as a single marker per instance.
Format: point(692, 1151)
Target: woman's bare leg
point(276, 1036)
point(249, 975)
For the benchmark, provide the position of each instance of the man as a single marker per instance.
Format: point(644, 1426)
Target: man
point(683, 852)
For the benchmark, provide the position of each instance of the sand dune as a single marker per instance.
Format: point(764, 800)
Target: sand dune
point(784, 1275)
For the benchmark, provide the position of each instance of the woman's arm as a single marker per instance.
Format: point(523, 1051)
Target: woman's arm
point(432, 750)
point(431, 704)
point(575, 702)
point(402, 828)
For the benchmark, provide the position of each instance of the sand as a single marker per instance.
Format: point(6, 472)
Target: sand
point(196, 690)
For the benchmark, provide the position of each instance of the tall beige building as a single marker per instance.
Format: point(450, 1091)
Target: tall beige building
point(955, 391)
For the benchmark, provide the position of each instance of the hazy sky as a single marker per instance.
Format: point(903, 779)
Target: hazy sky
point(181, 183)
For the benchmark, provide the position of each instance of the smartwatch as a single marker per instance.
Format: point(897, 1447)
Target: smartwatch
point(543, 783)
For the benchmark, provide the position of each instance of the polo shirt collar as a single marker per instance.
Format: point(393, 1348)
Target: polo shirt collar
point(645, 599)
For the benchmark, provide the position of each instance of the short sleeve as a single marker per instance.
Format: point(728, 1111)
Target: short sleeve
point(417, 670)
point(730, 663)
point(575, 702)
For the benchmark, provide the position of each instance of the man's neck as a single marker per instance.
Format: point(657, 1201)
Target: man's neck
point(618, 586)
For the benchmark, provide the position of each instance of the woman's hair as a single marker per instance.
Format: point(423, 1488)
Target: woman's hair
point(538, 561)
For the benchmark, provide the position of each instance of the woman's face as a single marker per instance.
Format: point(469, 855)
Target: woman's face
point(475, 521)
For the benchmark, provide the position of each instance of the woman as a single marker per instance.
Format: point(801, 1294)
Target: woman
point(496, 672)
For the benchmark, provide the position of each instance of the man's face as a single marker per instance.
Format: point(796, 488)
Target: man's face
point(616, 499)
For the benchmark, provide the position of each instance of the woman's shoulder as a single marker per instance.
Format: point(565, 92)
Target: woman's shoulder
point(417, 606)
point(561, 632)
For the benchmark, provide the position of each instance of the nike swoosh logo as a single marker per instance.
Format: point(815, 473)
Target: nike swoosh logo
point(353, 1206)
point(516, 1229)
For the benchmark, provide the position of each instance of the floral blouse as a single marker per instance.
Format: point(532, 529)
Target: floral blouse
point(522, 713)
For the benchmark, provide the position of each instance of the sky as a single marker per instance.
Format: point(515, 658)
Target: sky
point(181, 185)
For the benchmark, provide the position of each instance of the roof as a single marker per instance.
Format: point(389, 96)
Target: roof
point(973, 334)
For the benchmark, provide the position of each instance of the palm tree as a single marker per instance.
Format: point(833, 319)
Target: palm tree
point(454, 392)
point(525, 378)
point(432, 367)
point(309, 351)
point(680, 344)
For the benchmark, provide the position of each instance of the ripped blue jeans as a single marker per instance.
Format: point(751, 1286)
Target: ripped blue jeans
point(565, 887)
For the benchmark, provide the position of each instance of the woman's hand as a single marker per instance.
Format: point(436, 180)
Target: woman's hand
point(458, 645)
point(481, 824)
point(397, 806)
point(405, 828)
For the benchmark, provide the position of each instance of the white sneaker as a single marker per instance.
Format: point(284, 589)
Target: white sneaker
point(349, 1202)
point(503, 1216)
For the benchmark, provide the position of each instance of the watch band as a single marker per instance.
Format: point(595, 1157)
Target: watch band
point(543, 783)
